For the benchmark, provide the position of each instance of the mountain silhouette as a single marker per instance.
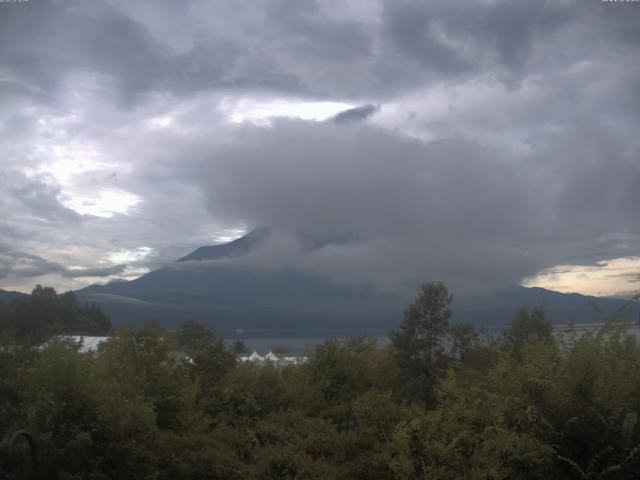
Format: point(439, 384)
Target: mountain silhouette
point(243, 298)
point(7, 296)
point(289, 302)
point(236, 248)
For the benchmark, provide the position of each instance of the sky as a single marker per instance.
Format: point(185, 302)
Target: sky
point(480, 143)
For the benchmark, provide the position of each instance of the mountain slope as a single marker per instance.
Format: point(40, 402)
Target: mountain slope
point(235, 248)
point(289, 302)
point(497, 308)
point(6, 295)
point(242, 298)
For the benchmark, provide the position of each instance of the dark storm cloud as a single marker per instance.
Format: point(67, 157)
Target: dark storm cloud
point(453, 209)
point(31, 210)
point(446, 34)
point(300, 48)
point(528, 111)
point(94, 272)
point(509, 40)
point(44, 42)
point(23, 265)
point(33, 198)
point(356, 114)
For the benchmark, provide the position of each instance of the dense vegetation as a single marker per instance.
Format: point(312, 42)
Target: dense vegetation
point(45, 313)
point(440, 402)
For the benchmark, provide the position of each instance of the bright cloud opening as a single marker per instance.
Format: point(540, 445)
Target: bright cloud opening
point(618, 276)
point(162, 121)
point(128, 256)
point(260, 112)
point(105, 203)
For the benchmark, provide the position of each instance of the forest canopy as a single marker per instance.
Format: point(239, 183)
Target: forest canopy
point(45, 313)
point(439, 401)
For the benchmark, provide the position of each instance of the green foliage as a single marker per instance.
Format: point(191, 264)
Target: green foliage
point(240, 348)
point(527, 405)
point(418, 341)
point(528, 327)
point(419, 337)
point(193, 334)
point(45, 313)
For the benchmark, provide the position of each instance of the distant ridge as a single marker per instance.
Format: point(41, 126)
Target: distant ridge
point(237, 247)
point(625, 295)
point(498, 307)
point(7, 295)
point(288, 302)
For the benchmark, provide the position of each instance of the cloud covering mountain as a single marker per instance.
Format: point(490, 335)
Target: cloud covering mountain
point(239, 289)
point(475, 143)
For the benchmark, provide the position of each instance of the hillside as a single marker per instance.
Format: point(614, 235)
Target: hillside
point(287, 302)
point(7, 295)
point(497, 308)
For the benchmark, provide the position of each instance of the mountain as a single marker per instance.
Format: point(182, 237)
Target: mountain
point(252, 300)
point(496, 309)
point(287, 302)
point(235, 248)
point(6, 296)
point(628, 295)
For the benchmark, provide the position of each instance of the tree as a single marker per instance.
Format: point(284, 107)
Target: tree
point(92, 321)
point(194, 334)
point(528, 327)
point(464, 339)
point(44, 313)
point(419, 336)
point(239, 347)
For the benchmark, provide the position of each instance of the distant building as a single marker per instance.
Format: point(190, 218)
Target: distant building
point(254, 357)
point(272, 358)
point(85, 343)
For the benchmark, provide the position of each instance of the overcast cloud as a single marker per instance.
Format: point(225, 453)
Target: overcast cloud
point(479, 143)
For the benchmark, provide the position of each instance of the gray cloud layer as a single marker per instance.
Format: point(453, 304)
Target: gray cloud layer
point(355, 114)
point(319, 48)
point(452, 209)
point(20, 264)
point(505, 140)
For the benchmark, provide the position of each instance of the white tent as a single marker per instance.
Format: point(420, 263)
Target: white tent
point(255, 357)
point(92, 344)
point(271, 357)
point(86, 344)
